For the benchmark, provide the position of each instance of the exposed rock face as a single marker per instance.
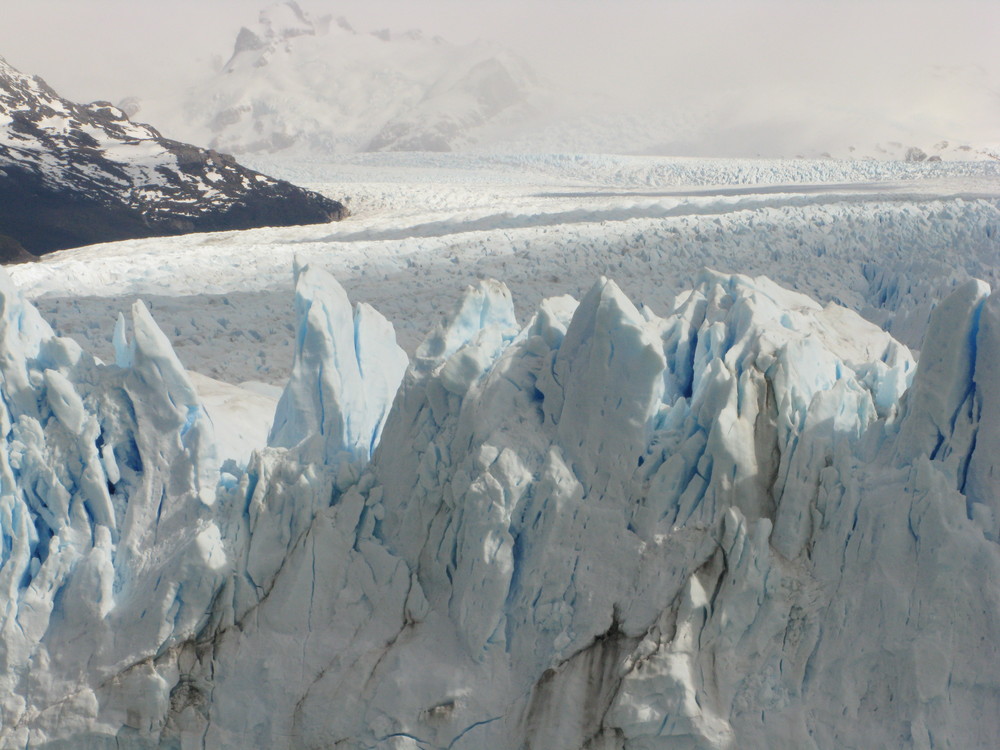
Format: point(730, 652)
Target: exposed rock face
point(74, 174)
point(12, 252)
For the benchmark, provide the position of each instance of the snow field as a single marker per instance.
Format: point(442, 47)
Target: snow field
point(890, 250)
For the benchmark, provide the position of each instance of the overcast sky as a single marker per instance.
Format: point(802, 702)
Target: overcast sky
point(91, 47)
point(776, 54)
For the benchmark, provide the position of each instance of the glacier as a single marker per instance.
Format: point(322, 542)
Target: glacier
point(756, 521)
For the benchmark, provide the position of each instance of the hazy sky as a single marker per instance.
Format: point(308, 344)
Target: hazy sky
point(770, 54)
point(95, 46)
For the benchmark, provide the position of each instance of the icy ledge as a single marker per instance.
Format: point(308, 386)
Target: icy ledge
point(751, 523)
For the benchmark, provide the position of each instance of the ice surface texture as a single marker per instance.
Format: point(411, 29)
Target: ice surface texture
point(111, 552)
point(754, 522)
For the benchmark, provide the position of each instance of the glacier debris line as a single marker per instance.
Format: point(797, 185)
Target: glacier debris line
point(754, 522)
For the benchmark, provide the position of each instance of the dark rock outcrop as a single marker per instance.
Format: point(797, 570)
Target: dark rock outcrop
point(74, 175)
point(12, 252)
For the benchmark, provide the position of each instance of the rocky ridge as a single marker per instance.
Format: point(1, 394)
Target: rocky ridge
point(74, 175)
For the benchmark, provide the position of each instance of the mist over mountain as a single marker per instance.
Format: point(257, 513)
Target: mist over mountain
point(317, 85)
point(767, 78)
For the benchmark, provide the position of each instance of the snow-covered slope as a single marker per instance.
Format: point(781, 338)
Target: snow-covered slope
point(318, 86)
point(753, 522)
point(73, 175)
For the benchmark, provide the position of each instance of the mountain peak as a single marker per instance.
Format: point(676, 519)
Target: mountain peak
point(285, 20)
point(73, 174)
point(321, 86)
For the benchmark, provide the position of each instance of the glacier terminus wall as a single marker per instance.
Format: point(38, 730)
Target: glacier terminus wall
point(754, 522)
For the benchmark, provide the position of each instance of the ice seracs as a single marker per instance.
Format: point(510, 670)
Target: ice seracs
point(346, 371)
point(748, 523)
point(111, 552)
point(982, 479)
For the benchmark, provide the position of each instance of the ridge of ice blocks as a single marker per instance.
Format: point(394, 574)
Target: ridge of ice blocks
point(111, 552)
point(752, 522)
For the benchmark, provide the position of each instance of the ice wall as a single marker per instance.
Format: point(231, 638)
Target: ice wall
point(609, 529)
point(111, 554)
point(752, 522)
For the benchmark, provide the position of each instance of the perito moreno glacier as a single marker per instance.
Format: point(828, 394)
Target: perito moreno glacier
point(752, 523)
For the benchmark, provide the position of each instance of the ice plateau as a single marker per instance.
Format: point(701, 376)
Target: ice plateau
point(754, 522)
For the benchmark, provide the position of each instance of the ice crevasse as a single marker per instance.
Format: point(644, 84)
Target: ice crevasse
point(753, 522)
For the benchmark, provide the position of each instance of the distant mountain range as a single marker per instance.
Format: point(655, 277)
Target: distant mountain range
point(311, 87)
point(74, 175)
point(319, 86)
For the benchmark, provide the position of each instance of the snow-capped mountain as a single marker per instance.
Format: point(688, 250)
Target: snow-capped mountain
point(319, 86)
point(753, 522)
point(306, 86)
point(77, 174)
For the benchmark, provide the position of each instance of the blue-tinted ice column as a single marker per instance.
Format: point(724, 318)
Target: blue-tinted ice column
point(345, 375)
point(982, 486)
point(952, 412)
